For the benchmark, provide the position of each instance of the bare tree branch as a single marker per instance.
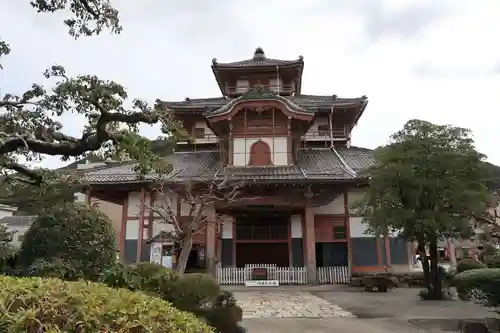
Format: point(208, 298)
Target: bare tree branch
point(199, 197)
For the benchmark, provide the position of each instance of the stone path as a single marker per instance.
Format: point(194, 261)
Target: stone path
point(286, 305)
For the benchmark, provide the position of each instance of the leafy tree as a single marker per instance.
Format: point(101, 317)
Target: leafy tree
point(425, 185)
point(5, 241)
point(57, 188)
point(28, 126)
point(80, 236)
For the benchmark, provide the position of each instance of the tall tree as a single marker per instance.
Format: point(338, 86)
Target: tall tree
point(28, 124)
point(425, 185)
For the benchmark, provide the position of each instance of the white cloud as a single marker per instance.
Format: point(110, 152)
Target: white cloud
point(412, 58)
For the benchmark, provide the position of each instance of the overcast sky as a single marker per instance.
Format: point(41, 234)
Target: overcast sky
point(427, 59)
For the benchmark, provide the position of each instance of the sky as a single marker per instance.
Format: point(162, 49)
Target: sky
point(415, 59)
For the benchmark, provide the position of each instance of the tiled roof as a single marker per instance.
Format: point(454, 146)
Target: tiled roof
point(312, 164)
point(258, 92)
point(259, 59)
point(308, 102)
point(322, 163)
point(357, 158)
point(260, 173)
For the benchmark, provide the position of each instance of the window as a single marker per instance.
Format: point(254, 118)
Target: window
point(323, 130)
point(199, 132)
point(242, 85)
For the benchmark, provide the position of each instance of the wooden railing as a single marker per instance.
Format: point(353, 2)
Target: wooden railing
point(336, 134)
point(281, 89)
point(312, 135)
point(206, 138)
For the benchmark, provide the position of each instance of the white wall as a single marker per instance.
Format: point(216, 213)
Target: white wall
point(134, 210)
point(278, 146)
point(357, 227)
point(296, 226)
point(227, 227)
point(336, 206)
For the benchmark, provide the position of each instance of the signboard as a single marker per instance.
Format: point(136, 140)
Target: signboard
point(259, 274)
point(262, 283)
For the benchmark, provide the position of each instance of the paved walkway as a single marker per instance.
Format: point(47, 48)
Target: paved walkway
point(287, 305)
point(347, 310)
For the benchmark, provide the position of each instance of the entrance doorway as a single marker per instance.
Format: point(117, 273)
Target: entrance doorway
point(262, 238)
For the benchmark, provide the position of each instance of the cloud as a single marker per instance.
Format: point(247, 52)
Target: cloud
point(434, 60)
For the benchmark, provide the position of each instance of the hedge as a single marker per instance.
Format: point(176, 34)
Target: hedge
point(197, 293)
point(52, 305)
point(469, 264)
point(483, 285)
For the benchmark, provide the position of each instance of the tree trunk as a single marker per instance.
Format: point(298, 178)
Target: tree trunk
point(425, 263)
point(186, 246)
point(436, 292)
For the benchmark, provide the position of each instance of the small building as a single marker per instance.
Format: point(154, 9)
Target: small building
point(18, 224)
point(293, 150)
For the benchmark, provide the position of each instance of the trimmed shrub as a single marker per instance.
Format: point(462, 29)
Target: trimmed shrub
point(494, 262)
point(76, 234)
point(468, 264)
point(481, 285)
point(55, 268)
point(144, 276)
point(53, 305)
point(196, 293)
point(191, 292)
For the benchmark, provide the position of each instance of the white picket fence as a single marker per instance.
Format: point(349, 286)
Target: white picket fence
point(334, 274)
point(284, 275)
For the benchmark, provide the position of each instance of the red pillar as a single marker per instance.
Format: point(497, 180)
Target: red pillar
point(310, 243)
point(210, 243)
point(140, 238)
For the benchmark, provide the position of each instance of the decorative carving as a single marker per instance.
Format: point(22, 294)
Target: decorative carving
point(214, 61)
point(259, 92)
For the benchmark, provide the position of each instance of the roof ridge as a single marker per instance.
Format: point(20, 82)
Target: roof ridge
point(346, 166)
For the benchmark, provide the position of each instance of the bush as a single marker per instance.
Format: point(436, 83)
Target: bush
point(494, 262)
point(469, 264)
point(52, 305)
point(75, 234)
point(196, 293)
point(482, 285)
point(55, 268)
point(191, 292)
point(144, 276)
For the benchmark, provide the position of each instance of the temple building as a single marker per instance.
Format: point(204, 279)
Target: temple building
point(295, 152)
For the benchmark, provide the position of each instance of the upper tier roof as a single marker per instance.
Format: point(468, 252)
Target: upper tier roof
point(323, 164)
point(258, 60)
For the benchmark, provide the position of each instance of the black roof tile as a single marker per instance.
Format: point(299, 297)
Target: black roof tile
point(312, 164)
point(259, 59)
